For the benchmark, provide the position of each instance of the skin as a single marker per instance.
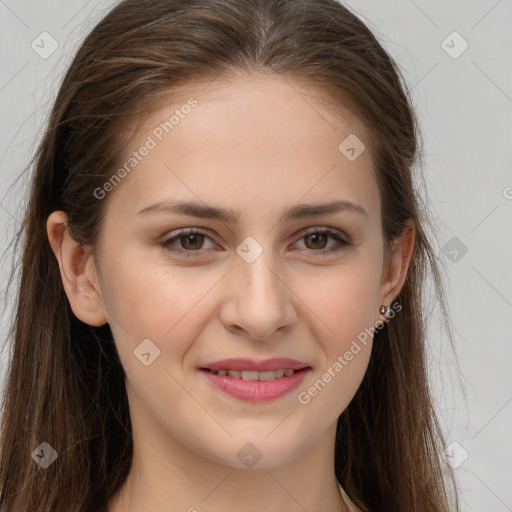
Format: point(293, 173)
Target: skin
point(257, 145)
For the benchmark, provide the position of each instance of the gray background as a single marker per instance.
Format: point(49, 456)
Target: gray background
point(464, 102)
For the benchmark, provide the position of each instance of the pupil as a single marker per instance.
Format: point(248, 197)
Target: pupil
point(193, 238)
point(316, 237)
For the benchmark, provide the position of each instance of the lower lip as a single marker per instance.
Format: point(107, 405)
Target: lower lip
point(256, 391)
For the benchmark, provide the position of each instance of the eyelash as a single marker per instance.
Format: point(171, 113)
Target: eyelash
point(333, 233)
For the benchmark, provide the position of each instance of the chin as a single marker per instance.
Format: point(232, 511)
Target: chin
point(255, 453)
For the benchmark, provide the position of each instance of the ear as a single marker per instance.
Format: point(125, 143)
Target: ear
point(77, 270)
point(393, 277)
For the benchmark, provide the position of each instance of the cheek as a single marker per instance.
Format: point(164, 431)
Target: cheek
point(343, 303)
point(344, 297)
point(155, 303)
point(146, 294)
point(344, 308)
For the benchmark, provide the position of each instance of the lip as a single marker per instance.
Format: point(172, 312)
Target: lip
point(239, 363)
point(255, 391)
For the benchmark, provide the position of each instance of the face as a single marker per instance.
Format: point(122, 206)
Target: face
point(260, 280)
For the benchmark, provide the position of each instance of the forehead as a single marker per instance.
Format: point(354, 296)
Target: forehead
point(247, 139)
point(249, 100)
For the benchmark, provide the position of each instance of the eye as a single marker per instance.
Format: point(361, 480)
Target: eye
point(316, 237)
point(191, 241)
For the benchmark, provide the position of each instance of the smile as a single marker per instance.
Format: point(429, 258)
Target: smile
point(254, 386)
point(251, 375)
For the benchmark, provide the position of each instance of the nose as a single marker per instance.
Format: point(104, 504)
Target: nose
point(259, 301)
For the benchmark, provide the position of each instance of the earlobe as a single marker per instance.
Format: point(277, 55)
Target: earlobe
point(395, 275)
point(77, 270)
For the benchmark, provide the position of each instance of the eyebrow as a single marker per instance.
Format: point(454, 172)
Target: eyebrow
point(204, 211)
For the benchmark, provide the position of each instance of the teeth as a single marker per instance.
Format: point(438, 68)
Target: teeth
point(249, 375)
point(270, 375)
point(252, 375)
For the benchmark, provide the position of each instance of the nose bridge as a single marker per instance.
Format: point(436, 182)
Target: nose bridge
point(263, 302)
point(262, 283)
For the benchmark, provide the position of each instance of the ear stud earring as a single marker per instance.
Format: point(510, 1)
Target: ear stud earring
point(384, 310)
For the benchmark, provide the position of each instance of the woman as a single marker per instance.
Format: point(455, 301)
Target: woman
point(223, 263)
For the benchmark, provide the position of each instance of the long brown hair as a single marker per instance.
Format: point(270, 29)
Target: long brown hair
point(65, 384)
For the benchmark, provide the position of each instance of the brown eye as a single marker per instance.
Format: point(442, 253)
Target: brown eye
point(192, 241)
point(188, 243)
point(318, 240)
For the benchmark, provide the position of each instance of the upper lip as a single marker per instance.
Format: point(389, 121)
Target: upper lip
point(275, 363)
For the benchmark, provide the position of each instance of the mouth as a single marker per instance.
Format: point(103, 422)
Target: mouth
point(255, 381)
point(253, 375)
